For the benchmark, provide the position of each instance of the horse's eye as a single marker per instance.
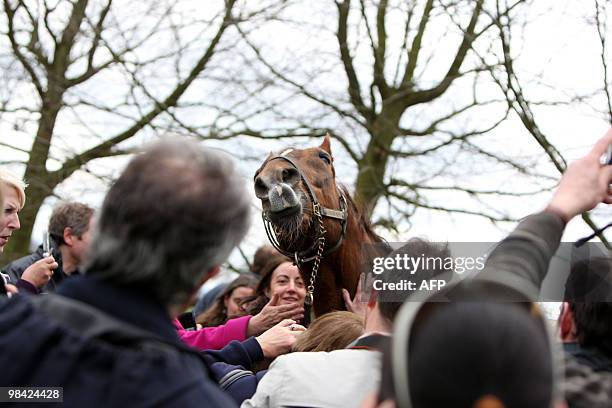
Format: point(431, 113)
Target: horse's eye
point(325, 158)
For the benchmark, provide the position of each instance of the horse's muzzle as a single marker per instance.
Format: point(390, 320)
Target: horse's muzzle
point(282, 198)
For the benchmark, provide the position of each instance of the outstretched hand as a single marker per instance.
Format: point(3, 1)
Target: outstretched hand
point(280, 338)
point(585, 183)
point(273, 313)
point(356, 305)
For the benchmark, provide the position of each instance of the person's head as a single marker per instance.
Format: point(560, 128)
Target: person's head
point(1, 206)
point(261, 257)
point(71, 225)
point(473, 354)
point(13, 191)
point(279, 277)
point(227, 305)
point(332, 331)
point(586, 314)
point(383, 305)
point(169, 221)
point(286, 282)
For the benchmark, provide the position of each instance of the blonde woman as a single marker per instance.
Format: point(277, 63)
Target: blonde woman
point(13, 191)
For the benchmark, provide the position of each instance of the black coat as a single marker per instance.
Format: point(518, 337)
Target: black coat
point(73, 341)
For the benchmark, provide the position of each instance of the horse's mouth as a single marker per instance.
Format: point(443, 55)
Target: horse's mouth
point(289, 212)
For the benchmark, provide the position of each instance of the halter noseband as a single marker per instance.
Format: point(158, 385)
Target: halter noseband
point(316, 251)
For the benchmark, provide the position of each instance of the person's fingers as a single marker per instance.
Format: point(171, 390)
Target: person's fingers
point(608, 199)
point(54, 265)
point(11, 288)
point(370, 400)
point(290, 307)
point(48, 260)
point(387, 404)
point(358, 292)
point(606, 174)
point(298, 327)
point(286, 323)
point(288, 314)
point(347, 297)
point(274, 300)
point(602, 144)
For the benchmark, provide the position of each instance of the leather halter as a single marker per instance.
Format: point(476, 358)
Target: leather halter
point(309, 254)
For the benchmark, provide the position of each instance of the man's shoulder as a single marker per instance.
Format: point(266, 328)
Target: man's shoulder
point(87, 365)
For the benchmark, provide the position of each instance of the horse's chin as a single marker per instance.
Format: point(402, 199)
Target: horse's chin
point(290, 229)
point(285, 216)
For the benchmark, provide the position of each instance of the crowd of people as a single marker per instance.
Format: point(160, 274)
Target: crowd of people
point(112, 311)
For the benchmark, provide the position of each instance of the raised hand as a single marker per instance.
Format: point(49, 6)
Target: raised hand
point(585, 183)
point(40, 272)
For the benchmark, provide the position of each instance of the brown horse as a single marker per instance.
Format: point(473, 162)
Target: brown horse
point(310, 218)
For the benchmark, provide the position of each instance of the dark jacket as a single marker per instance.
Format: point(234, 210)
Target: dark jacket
point(590, 357)
point(106, 346)
point(16, 268)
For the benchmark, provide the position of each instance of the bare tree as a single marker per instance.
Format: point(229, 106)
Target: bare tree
point(411, 84)
point(520, 103)
point(107, 71)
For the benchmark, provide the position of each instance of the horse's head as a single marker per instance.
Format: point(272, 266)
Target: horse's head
point(286, 200)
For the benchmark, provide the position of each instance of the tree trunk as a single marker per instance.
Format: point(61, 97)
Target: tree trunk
point(36, 175)
point(369, 186)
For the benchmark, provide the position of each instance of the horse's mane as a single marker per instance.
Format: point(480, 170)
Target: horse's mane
point(363, 221)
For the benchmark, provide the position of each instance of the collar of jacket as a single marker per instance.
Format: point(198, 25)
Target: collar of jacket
point(374, 342)
point(127, 304)
point(588, 356)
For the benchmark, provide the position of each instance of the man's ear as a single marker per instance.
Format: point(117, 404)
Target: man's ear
point(69, 237)
point(567, 330)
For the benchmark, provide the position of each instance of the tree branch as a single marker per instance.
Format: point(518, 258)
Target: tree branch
point(105, 148)
point(354, 89)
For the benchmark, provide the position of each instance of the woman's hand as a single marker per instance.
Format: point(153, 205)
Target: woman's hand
point(271, 314)
point(280, 338)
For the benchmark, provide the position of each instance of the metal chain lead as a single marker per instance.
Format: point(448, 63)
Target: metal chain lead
point(317, 261)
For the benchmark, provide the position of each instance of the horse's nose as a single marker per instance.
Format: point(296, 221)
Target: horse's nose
point(282, 197)
point(261, 188)
point(288, 176)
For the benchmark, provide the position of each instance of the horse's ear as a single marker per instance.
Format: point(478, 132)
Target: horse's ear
point(326, 145)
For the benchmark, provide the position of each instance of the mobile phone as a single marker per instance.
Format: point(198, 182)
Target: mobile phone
point(45, 244)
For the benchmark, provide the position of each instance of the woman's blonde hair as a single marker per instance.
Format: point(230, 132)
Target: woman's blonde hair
point(332, 331)
point(16, 183)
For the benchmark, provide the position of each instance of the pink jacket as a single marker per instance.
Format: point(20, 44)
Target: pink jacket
point(214, 338)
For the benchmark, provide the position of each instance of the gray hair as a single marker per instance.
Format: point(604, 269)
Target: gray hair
point(176, 211)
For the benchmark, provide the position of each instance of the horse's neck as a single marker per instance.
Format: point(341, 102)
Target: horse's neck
point(346, 262)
